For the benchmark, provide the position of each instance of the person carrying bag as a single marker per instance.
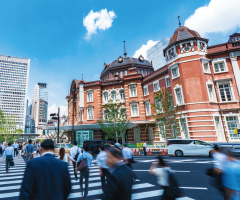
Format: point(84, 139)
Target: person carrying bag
point(166, 180)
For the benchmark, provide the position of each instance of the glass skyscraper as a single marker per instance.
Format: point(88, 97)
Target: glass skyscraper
point(14, 73)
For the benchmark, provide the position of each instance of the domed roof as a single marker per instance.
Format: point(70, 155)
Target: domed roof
point(183, 33)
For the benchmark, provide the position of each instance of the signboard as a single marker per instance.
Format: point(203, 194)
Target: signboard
point(237, 131)
point(139, 145)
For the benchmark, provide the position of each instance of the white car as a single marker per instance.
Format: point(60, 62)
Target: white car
point(187, 147)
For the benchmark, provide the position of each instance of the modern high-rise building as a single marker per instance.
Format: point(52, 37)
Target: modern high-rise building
point(40, 106)
point(14, 73)
point(155, 54)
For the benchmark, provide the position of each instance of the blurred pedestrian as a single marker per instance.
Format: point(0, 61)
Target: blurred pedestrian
point(20, 147)
point(74, 153)
point(34, 149)
point(121, 178)
point(9, 154)
point(145, 148)
point(46, 177)
point(38, 149)
point(231, 177)
point(64, 157)
point(127, 155)
point(84, 173)
point(4, 147)
point(15, 145)
point(101, 162)
point(29, 150)
point(165, 179)
point(1, 149)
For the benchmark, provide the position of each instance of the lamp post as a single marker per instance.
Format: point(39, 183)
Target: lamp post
point(73, 92)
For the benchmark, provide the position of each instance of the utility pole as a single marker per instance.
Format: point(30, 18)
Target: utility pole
point(58, 124)
point(73, 92)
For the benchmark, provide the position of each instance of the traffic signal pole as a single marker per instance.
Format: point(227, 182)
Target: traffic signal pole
point(58, 125)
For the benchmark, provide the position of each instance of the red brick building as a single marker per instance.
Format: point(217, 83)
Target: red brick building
point(204, 82)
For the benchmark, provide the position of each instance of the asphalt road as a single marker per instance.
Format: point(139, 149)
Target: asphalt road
point(190, 173)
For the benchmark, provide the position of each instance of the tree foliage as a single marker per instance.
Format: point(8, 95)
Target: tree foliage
point(115, 121)
point(166, 114)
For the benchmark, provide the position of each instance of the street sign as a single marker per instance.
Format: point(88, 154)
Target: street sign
point(237, 131)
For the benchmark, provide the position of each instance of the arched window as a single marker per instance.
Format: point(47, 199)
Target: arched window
point(114, 95)
point(122, 94)
point(105, 95)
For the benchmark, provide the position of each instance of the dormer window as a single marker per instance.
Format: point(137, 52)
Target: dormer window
point(235, 39)
point(187, 48)
point(141, 58)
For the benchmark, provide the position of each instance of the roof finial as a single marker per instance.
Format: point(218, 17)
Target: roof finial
point(179, 21)
point(125, 53)
point(82, 76)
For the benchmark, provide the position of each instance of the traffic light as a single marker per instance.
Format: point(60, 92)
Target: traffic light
point(53, 114)
point(55, 118)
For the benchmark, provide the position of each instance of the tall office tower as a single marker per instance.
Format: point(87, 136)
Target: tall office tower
point(40, 106)
point(155, 54)
point(14, 73)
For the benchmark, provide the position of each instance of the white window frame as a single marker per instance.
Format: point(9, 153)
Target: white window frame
point(134, 104)
point(114, 100)
point(104, 114)
point(214, 93)
point(105, 96)
point(125, 73)
point(231, 90)
point(120, 92)
point(156, 103)
point(130, 94)
point(158, 88)
point(175, 67)
point(88, 117)
point(167, 77)
point(148, 106)
point(183, 136)
point(209, 69)
point(145, 87)
point(238, 119)
point(219, 61)
point(88, 99)
point(178, 87)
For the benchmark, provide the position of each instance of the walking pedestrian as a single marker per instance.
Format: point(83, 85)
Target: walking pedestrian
point(20, 147)
point(85, 172)
point(145, 148)
point(64, 157)
point(166, 179)
point(127, 155)
point(9, 154)
point(15, 145)
point(4, 147)
point(34, 149)
point(46, 177)
point(1, 149)
point(121, 179)
point(38, 149)
point(101, 162)
point(74, 153)
point(29, 150)
point(231, 177)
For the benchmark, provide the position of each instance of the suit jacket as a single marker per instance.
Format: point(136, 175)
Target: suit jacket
point(46, 178)
point(119, 185)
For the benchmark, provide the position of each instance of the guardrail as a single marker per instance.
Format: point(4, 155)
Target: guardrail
point(150, 151)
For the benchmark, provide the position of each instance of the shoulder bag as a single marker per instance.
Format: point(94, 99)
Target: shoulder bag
point(82, 165)
point(173, 191)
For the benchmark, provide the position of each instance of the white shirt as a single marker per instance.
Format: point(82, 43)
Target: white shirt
point(74, 150)
point(127, 153)
point(162, 175)
point(220, 160)
point(144, 144)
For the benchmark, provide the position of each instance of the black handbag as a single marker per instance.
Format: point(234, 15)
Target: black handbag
point(172, 191)
point(11, 163)
point(211, 172)
point(82, 165)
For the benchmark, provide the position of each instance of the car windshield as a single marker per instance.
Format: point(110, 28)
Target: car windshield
point(69, 145)
point(64, 146)
point(57, 146)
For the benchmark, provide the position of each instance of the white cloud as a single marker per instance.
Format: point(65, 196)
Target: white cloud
point(54, 109)
point(101, 20)
point(218, 16)
point(143, 49)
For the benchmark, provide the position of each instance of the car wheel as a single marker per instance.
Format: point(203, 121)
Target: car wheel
point(179, 153)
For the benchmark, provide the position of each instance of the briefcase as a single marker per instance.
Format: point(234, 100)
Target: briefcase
point(12, 163)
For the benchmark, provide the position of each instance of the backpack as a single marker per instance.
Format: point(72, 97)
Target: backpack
point(77, 154)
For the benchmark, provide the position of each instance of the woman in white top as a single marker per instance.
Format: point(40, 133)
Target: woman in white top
point(165, 179)
point(63, 156)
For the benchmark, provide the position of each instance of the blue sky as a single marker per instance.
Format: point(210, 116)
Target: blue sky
point(53, 36)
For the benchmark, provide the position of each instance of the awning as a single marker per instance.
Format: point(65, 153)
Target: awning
point(83, 127)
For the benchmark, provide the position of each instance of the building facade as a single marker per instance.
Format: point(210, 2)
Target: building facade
point(40, 106)
point(204, 82)
point(14, 73)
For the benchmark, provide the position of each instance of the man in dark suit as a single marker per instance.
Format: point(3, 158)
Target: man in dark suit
point(120, 182)
point(46, 177)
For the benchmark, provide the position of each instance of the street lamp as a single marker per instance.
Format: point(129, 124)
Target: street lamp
point(56, 116)
point(73, 92)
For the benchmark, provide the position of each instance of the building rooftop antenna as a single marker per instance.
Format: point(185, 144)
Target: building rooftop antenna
point(125, 53)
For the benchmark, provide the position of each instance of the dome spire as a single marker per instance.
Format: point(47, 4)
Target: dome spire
point(125, 53)
point(179, 21)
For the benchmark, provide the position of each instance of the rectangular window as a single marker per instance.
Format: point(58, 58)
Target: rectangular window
point(148, 108)
point(105, 96)
point(225, 92)
point(90, 96)
point(90, 113)
point(134, 109)
point(122, 94)
point(219, 67)
point(133, 90)
point(159, 107)
point(175, 72)
point(105, 114)
point(179, 96)
point(114, 95)
point(168, 83)
point(156, 86)
point(145, 90)
point(206, 67)
point(211, 93)
point(126, 73)
point(121, 73)
point(233, 123)
point(184, 128)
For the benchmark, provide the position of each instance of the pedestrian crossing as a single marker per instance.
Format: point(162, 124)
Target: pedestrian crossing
point(196, 161)
point(10, 184)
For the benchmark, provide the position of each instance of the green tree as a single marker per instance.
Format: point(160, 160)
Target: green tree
point(115, 123)
point(166, 114)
